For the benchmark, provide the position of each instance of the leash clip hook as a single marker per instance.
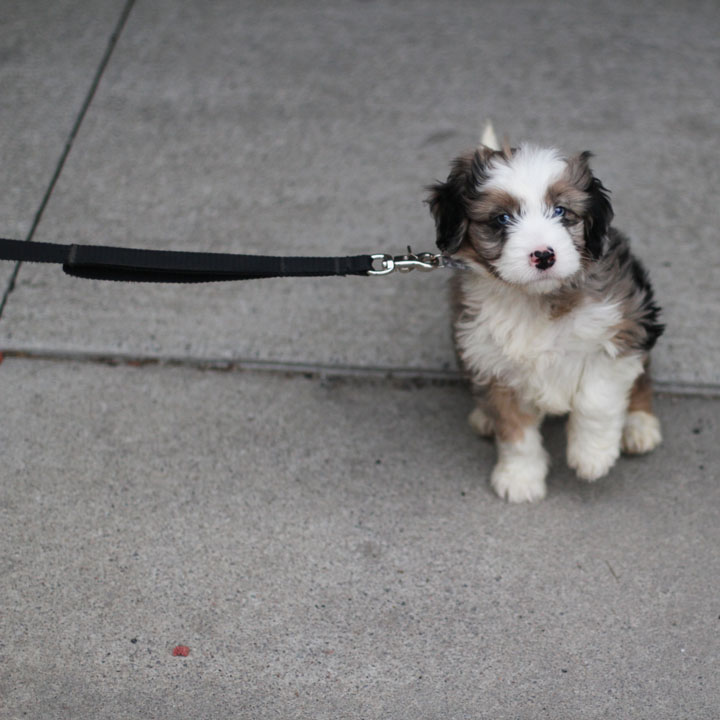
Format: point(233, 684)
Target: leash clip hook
point(424, 261)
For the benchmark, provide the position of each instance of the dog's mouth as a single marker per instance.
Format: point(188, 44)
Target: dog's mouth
point(544, 283)
point(537, 281)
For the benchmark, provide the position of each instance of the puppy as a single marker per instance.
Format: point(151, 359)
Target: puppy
point(552, 313)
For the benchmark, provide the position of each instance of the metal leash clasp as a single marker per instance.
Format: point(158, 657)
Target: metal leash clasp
point(424, 261)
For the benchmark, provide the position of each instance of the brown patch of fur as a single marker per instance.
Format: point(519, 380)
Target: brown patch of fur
point(578, 173)
point(450, 201)
point(509, 417)
point(484, 240)
point(507, 151)
point(492, 203)
point(456, 297)
point(568, 194)
point(628, 334)
point(482, 246)
point(565, 193)
point(564, 301)
point(473, 252)
point(457, 309)
point(641, 393)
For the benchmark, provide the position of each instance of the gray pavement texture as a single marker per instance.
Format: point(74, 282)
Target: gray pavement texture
point(331, 549)
point(319, 530)
point(312, 128)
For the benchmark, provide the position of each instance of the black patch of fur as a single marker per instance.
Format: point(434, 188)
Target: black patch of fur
point(648, 311)
point(478, 171)
point(599, 215)
point(449, 201)
point(447, 204)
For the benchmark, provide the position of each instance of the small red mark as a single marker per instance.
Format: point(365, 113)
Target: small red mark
point(2, 357)
point(181, 651)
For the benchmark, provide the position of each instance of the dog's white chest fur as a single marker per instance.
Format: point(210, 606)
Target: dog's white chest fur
point(510, 335)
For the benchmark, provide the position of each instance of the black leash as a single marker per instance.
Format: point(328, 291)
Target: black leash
point(100, 262)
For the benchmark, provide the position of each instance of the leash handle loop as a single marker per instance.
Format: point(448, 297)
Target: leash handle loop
point(165, 266)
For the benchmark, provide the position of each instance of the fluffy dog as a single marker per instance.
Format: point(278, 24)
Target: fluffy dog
point(552, 314)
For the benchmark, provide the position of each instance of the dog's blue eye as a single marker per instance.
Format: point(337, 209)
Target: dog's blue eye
point(559, 211)
point(503, 219)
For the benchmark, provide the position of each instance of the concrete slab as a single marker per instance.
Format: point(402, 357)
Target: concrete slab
point(332, 550)
point(49, 53)
point(313, 127)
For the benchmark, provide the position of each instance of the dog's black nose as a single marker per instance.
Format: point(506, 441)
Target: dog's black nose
point(543, 259)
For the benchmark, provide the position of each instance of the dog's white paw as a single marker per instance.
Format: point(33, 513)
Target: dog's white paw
point(591, 461)
point(481, 423)
point(519, 479)
point(641, 433)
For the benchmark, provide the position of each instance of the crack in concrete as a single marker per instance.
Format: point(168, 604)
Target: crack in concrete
point(419, 376)
point(112, 42)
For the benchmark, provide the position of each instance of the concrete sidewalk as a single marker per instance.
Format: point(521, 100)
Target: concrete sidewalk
point(332, 549)
point(322, 535)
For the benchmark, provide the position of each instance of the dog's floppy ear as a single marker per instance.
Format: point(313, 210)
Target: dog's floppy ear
point(448, 201)
point(598, 218)
point(448, 206)
point(599, 212)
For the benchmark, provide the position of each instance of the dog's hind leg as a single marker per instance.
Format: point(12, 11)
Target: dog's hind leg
point(641, 432)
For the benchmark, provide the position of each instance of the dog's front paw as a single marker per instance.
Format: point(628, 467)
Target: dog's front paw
point(591, 461)
point(519, 479)
point(641, 433)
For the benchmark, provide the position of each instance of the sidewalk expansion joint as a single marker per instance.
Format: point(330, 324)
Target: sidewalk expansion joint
point(330, 371)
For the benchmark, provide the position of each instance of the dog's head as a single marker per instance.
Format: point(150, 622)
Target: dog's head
point(528, 216)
